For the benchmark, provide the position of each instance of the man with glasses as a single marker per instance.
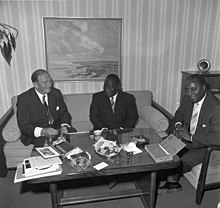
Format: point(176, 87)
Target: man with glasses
point(112, 108)
point(197, 123)
point(41, 111)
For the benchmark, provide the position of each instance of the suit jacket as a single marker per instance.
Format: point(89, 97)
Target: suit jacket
point(125, 113)
point(31, 113)
point(208, 126)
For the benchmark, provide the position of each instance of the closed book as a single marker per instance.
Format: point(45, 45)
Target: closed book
point(63, 147)
point(166, 150)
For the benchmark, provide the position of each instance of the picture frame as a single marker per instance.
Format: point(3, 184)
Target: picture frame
point(47, 152)
point(82, 49)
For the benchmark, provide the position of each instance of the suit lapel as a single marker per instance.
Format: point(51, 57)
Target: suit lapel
point(202, 112)
point(36, 100)
point(51, 102)
point(37, 103)
point(118, 104)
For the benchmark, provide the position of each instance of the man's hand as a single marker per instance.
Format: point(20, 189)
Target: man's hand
point(63, 130)
point(183, 133)
point(49, 132)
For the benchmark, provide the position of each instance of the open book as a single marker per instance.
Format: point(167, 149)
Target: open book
point(166, 150)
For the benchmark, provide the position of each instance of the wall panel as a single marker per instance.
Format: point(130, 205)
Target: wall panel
point(160, 38)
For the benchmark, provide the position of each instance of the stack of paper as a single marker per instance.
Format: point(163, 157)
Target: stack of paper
point(36, 167)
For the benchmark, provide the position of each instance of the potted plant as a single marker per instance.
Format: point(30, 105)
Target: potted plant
point(8, 34)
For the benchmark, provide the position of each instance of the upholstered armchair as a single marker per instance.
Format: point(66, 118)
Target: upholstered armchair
point(206, 175)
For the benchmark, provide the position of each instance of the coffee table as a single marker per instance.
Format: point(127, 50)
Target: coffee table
point(119, 165)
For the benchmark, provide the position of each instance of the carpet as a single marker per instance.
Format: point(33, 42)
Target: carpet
point(23, 195)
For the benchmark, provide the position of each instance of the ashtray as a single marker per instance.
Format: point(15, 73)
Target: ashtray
point(80, 163)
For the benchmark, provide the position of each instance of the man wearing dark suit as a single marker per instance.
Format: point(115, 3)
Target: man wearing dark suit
point(122, 113)
point(37, 122)
point(201, 106)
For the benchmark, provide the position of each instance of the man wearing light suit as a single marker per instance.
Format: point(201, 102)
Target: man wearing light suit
point(197, 135)
point(35, 123)
point(121, 114)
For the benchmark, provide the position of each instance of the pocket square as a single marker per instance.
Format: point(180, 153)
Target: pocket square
point(57, 108)
point(203, 125)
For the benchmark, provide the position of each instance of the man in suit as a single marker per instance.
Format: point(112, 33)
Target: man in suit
point(112, 108)
point(197, 123)
point(41, 111)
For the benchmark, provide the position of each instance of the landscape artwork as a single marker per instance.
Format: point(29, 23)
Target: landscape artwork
point(82, 49)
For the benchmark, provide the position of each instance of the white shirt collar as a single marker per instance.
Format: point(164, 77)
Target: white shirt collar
point(41, 96)
point(114, 97)
point(201, 101)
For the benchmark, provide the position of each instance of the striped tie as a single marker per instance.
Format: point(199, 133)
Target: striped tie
point(194, 119)
point(112, 103)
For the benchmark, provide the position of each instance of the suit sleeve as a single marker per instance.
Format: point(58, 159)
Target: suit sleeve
point(94, 114)
point(24, 117)
point(183, 113)
point(132, 113)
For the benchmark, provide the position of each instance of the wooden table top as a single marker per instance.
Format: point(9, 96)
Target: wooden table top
point(119, 164)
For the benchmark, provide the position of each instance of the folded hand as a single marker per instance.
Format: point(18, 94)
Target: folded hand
point(49, 132)
point(184, 134)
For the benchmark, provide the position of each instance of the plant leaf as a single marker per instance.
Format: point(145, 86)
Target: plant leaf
point(6, 52)
point(12, 39)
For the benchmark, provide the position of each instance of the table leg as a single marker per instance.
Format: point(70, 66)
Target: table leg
point(147, 184)
point(153, 189)
point(53, 195)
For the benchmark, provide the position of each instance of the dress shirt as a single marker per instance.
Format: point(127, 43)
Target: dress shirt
point(199, 109)
point(114, 97)
point(37, 130)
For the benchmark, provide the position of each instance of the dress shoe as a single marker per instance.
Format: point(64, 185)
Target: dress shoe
point(170, 187)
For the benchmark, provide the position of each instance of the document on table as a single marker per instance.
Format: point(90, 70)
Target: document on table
point(100, 166)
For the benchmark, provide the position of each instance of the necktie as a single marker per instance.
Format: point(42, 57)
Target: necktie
point(45, 103)
point(49, 116)
point(194, 118)
point(112, 103)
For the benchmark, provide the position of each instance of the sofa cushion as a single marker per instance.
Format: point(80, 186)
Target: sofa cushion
point(143, 98)
point(78, 106)
point(154, 118)
point(82, 126)
point(15, 152)
point(11, 131)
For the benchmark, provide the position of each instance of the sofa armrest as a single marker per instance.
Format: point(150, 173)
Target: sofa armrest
point(4, 120)
point(11, 131)
point(167, 114)
point(154, 118)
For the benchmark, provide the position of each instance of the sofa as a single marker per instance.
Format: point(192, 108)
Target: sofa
point(150, 115)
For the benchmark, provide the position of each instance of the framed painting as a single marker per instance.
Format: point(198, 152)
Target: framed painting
point(82, 49)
